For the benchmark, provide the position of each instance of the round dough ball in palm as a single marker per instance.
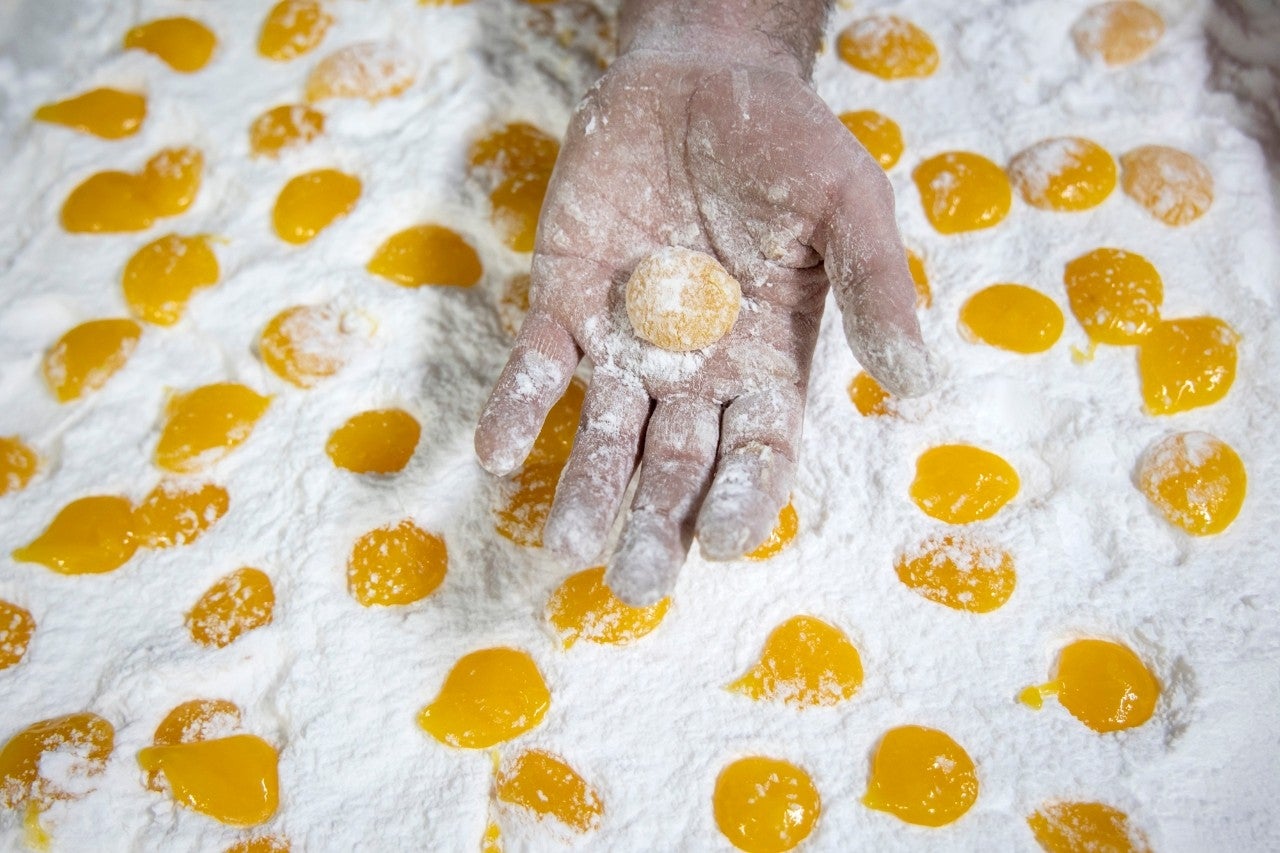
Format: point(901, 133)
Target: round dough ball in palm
point(682, 300)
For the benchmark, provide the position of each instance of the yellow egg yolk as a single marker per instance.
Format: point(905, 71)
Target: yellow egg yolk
point(1076, 827)
point(545, 785)
point(490, 696)
point(112, 202)
point(197, 719)
point(237, 603)
point(584, 608)
point(959, 483)
point(888, 47)
point(181, 43)
point(921, 776)
point(959, 573)
point(311, 202)
point(376, 442)
point(962, 191)
point(171, 179)
point(915, 266)
point(106, 113)
point(87, 356)
point(161, 277)
point(1186, 363)
point(1171, 185)
point(492, 840)
point(804, 662)
point(292, 28)
point(1114, 294)
point(85, 738)
point(784, 531)
point(304, 344)
point(1012, 317)
point(260, 844)
point(1196, 480)
point(178, 513)
point(396, 565)
point(1102, 684)
point(88, 536)
point(869, 398)
point(765, 805)
point(283, 127)
point(427, 254)
point(231, 779)
point(1117, 33)
point(1064, 173)
point(16, 628)
point(368, 70)
point(18, 464)
point(203, 425)
point(878, 133)
point(518, 160)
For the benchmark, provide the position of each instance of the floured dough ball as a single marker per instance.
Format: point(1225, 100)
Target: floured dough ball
point(682, 300)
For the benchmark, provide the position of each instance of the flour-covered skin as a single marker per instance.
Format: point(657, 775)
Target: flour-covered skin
point(705, 134)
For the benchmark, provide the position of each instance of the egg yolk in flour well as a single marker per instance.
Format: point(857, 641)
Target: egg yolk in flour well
point(962, 191)
point(397, 564)
point(205, 424)
point(921, 776)
point(765, 805)
point(584, 608)
point(380, 441)
point(960, 483)
point(85, 357)
point(1102, 684)
point(106, 113)
point(112, 202)
point(490, 696)
point(805, 662)
point(183, 44)
point(545, 785)
point(517, 160)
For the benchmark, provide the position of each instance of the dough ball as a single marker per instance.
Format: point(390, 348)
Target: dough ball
point(682, 300)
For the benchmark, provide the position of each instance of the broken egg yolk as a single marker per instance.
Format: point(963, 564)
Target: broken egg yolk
point(427, 254)
point(490, 696)
point(113, 202)
point(292, 28)
point(18, 464)
point(878, 133)
point(783, 533)
point(90, 535)
point(765, 805)
point(87, 356)
point(1114, 294)
point(198, 719)
point(236, 604)
point(286, 126)
point(915, 266)
point(1171, 185)
point(959, 573)
point(868, 396)
point(1186, 363)
point(1012, 317)
point(161, 277)
point(1102, 684)
point(584, 608)
point(1064, 173)
point(889, 47)
point(921, 776)
point(205, 424)
point(545, 785)
point(183, 44)
point(962, 191)
point(311, 202)
point(178, 513)
point(260, 844)
point(1196, 480)
point(304, 344)
point(1076, 827)
point(804, 662)
point(85, 738)
point(960, 483)
point(1117, 32)
point(396, 565)
point(231, 779)
point(380, 441)
point(16, 628)
point(518, 159)
point(105, 113)
point(368, 70)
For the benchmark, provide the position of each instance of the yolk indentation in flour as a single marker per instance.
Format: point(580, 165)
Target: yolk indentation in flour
point(1064, 173)
point(921, 776)
point(85, 357)
point(915, 266)
point(1114, 294)
point(112, 202)
point(1076, 827)
point(805, 662)
point(765, 805)
point(888, 47)
point(962, 191)
point(545, 785)
point(427, 254)
point(1012, 317)
point(304, 344)
point(161, 277)
point(18, 464)
point(490, 696)
point(518, 158)
point(1186, 363)
point(260, 844)
point(1173, 186)
point(868, 396)
point(368, 70)
point(584, 608)
point(282, 127)
point(197, 719)
point(292, 28)
point(83, 740)
point(88, 536)
point(783, 533)
point(380, 441)
point(1102, 684)
point(396, 565)
point(960, 483)
point(233, 780)
point(106, 113)
point(1117, 33)
point(878, 133)
point(16, 628)
point(1196, 480)
point(311, 202)
point(178, 513)
point(205, 424)
point(961, 573)
point(183, 44)
point(236, 603)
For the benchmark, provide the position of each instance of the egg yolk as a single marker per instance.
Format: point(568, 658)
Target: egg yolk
point(888, 47)
point(804, 662)
point(304, 344)
point(1173, 186)
point(915, 265)
point(1187, 363)
point(518, 158)
point(396, 565)
point(427, 254)
point(543, 784)
point(1114, 294)
point(88, 536)
point(878, 133)
point(1102, 684)
point(106, 113)
point(1117, 33)
point(584, 608)
point(490, 696)
point(260, 844)
point(231, 779)
point(1012, 317)
point(203, 425)
point(292, 28)
point(18, 464)
point(311, 202)
point(198, 719)
point(283, 127)
point(161, 277)
point(181, 43)
point(16, 628)
point(765, 805)
point(237, 603)
point(368, 70)
point(178, 513)
point(1196, 480)
point(1065, 173)
point(492, 840)
point(959, 573)
point(87, 356)
point(869, 398)
point(171, 179)
point(85, 738)
point(112, 202)
point(784, 531)
point(1075, 827)
point(959, 483)
point(962, 191)
point(376, 442)
point(921, 776)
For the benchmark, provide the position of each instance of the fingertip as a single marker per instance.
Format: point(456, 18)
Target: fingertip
point(896, 358)
point(569, 534)
point(644, 568)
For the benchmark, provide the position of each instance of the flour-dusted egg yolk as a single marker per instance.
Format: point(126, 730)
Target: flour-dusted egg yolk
point(921, 776)
point(171, 179)
point(960, 483)
point(113, 202)
point(878, 133)
point(1114, 294)
point(869, 397)
point(292, 28)
point(958, 572)
point(305, 344)
point(232, 779)
point(765, 805)
point(396, 565)
point(260, 844)
point(1172, 185)
point(427, 254)
point(283, 127)
point(197, 719)
point(18, 464)
point(85, 357)
point(915, 265)
point(517, 160)
point(84, 741)
point(1117, 33)
point(545, 785)
point(88, 536)
point(1085, 827)
point(805, 662)
point(1102, 684)
point(584, 608)
point(176, 512)
point(368, 70)
point(1186, 363)
point(380, 441)
point(962, 191)
point(1196, 480)
point(492, 840)
point(181, 43)
point(1012, 317)
point(1065, 173)
point(888, 47)
point(107, 113)
point(16, 628)
point(205, 424)
point(311, 202)
point(490, 696)
point(783, 533)
point(161, 277)
point(236, 604)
